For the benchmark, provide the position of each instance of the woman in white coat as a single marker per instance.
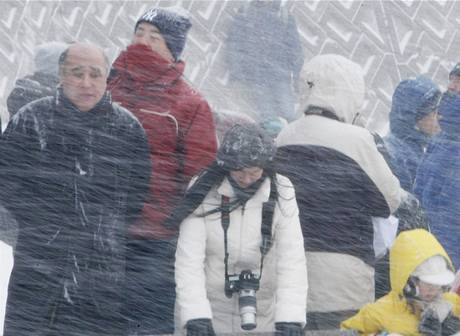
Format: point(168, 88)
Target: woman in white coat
point(226, 253)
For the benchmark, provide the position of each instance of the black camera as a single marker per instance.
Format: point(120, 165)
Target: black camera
point(245, 284)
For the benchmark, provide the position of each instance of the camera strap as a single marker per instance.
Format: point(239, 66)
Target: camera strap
point(225, 218)
point(268, 209)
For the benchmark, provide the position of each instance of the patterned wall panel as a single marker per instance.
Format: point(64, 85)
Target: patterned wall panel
point(390, 39)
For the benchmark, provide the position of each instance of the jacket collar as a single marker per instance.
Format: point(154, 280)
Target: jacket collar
point(144, 65)
point(102, 108)
point(262, 195)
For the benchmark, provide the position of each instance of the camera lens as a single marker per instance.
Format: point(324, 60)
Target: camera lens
point(248, 309)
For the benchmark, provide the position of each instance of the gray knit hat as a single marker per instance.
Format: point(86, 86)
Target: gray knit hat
point(47, 55)
point(173, 24)
point(246, 146)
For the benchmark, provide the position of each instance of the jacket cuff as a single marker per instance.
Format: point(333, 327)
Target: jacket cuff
point(291, 314)
point(195, 311)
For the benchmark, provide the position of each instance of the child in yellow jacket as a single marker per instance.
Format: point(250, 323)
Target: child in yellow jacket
point(419, 303)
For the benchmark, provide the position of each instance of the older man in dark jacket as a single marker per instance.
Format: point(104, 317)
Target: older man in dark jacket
point(76, 168)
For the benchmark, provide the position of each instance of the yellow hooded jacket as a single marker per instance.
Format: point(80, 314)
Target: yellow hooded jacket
point(392, 313)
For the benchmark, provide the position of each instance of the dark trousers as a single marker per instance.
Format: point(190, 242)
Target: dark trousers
point(327, 321)
point(37, 307)
point(150, 293)
point(382, 276)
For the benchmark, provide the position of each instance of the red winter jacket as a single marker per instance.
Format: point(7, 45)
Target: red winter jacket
point(178, 123)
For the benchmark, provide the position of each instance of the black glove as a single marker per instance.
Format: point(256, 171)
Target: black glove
point(451, 325)
point(288, 329)
point(411, 215)
point(200, 327)
point(429, 323)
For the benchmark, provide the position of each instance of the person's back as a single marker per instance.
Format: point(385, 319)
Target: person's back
point(413, 120)
point(341, 180)
point(147, 78)
point(43, 82)
point(438, 179)
point(260, 52)
point(263, 55)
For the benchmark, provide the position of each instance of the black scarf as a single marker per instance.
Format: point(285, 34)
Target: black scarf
point(244, 194)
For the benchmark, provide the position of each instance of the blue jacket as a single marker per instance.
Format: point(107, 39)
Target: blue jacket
point(412, 100)
point(438, 179)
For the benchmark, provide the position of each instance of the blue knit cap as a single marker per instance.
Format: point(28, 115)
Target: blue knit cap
point(172, 25)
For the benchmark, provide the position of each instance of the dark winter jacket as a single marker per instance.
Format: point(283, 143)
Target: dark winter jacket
point(74, 181)
point(30, 88)
point(438, 179)
point(263, 44)
point(339, 171)
point(179, 126)
point(338, 186)
point(412, 100)
point(26, 90)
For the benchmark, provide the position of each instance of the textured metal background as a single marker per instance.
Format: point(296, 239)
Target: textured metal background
point(390, 39)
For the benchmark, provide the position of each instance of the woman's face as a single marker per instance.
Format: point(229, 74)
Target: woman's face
point(246, 176)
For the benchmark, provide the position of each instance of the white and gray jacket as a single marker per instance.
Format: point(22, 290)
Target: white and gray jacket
point(341, 182)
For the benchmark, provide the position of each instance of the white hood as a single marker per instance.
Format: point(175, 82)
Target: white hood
point(335, 83)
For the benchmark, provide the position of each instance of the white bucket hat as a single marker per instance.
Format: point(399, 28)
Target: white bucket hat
point(434, 271)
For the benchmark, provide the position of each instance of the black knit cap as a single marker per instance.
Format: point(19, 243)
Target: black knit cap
point(246, 146)
point(173, 26)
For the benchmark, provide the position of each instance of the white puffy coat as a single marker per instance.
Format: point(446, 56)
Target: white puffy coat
point(200, 261)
